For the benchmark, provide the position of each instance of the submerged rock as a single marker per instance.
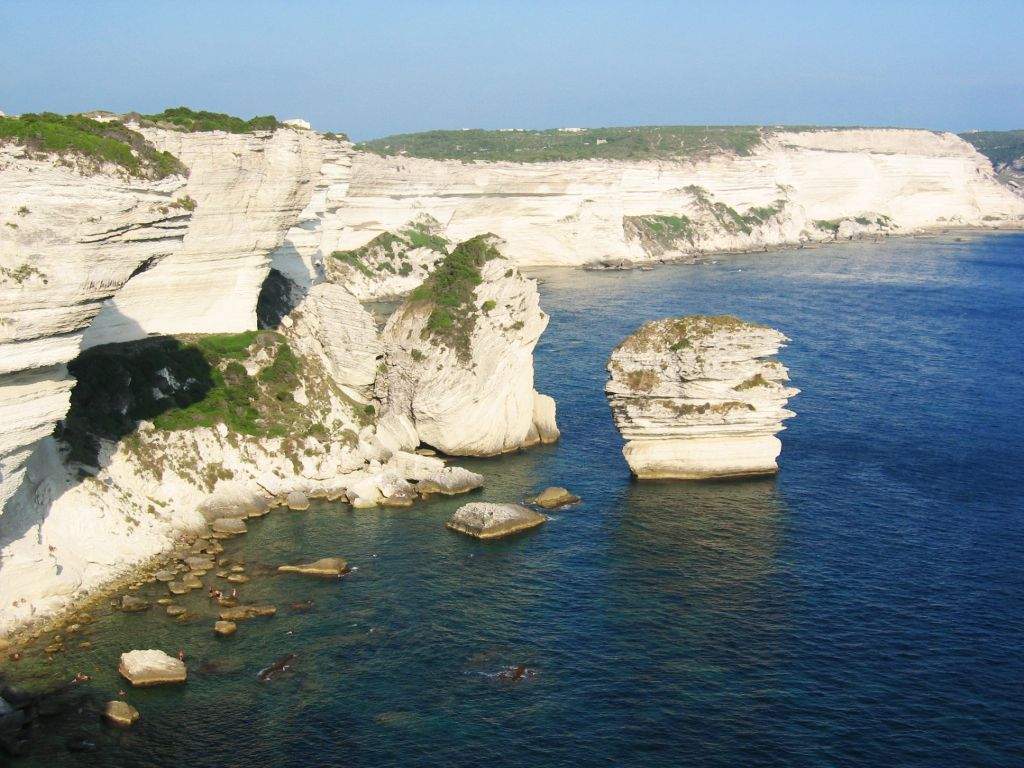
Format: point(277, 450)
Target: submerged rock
point(699, 397)
point(281, 665)
point(554, 497)
point(484, 520)
point(120, 713)
point(151, 667)
point(132, 604)
point(327, 566)
point(243, 612)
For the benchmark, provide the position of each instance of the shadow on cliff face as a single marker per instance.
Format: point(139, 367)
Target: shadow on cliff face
point(278, 296)
point(120, 385)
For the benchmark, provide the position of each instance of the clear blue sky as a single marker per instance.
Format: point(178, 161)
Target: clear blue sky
point(375, 68)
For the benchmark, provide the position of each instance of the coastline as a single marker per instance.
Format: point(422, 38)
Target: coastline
point(135, 573)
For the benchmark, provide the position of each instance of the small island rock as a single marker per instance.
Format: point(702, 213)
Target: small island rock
point(700, 397)
point(228, 525)
point(151, 667)
point(224, 628)
point(484, 520)
point(554, 497)
point(243, 612)
point(132, 604)
point(297, 500)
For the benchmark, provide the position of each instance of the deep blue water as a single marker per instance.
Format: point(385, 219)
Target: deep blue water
point(864, 608)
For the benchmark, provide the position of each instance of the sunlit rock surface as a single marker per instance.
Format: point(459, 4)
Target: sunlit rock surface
point(470, 393)
point(700, 397)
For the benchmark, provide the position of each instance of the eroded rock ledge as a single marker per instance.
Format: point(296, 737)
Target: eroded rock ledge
point(700, 397)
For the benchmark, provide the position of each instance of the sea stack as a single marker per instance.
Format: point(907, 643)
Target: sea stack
point(700, 397)
point(459, 359)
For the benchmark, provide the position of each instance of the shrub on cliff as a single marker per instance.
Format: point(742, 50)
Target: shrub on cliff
point(187, 119)
point(450, 291)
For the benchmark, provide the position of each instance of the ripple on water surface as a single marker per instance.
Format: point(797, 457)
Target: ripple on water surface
point(864, 608)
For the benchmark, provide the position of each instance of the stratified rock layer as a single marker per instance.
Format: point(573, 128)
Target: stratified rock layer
point(700, 397)
point(68, 241)
point(248, 190)
point(796, 186)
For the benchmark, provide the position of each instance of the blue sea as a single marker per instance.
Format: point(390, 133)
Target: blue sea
point(863, 608)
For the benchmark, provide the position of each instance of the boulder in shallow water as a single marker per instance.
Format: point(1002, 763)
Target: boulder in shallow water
point(120, 713)
point(484, 520)
point(297, 500)
point(232, 499)
point(327, 567)
point(224, 628)
point(229, 525)
point(151, 667)
point(243, 612)
point(133, 604)
point(449, 481)
point(554, 497)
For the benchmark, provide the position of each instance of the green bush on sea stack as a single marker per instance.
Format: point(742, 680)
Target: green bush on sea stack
point(450, 292)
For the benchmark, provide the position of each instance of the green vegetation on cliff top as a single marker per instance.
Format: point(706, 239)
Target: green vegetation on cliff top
point(1001, 147)
point(89, 140)
point(676, 333)
point(450, 291)
point(637, 143)
point(186, 119)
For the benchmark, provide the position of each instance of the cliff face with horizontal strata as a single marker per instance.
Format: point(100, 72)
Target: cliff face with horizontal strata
point(699, 397)
point(795, 187)
point(68, 242)
point(249, 189)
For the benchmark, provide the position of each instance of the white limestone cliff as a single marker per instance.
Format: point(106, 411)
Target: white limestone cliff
point(795, 187)
point(68, 241)
point(249, 189)
point(71, 529)
point(699, 397)
point(465, 385)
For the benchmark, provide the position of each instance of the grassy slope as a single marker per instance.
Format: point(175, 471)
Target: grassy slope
point(91, 140)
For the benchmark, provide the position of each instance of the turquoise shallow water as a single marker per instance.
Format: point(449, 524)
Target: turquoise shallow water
point(863, 608)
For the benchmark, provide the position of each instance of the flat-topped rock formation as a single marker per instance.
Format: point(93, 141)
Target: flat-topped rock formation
point(700, 397)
